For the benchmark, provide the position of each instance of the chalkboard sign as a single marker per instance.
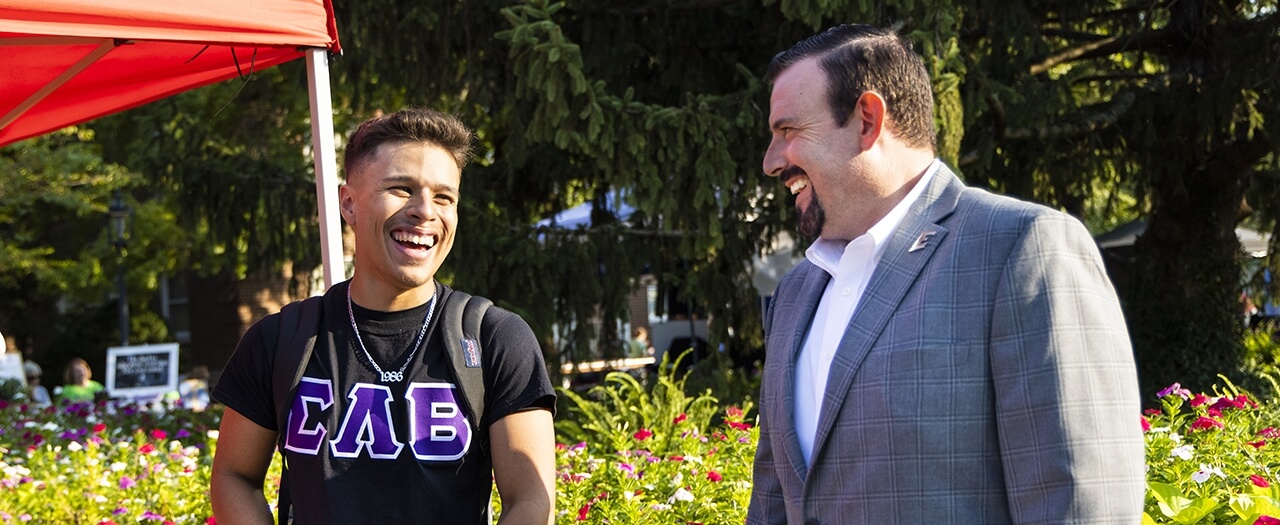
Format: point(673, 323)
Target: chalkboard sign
point(142, 371)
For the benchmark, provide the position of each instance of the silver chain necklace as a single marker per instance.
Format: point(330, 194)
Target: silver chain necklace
point(390, 376)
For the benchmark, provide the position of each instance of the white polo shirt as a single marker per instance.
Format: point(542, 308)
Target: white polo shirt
point(850, 265)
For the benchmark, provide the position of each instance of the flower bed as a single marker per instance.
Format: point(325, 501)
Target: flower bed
point(627, 453)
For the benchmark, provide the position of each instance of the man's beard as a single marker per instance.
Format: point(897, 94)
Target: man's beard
point(812, 218)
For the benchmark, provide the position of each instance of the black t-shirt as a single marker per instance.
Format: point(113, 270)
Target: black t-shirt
point(363, 451)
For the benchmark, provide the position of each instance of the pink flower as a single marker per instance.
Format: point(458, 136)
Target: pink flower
point(99, 428)
point(1205, 423)
point(680, 418)
point(739, 426)
point(714, 476)
point(677, 459)
point(210, 521)
point(147, 448)
point(1259, 481)
point(643, 434)
point(159, 435)
point(1152, 411)
point(1146, 425)
point(1269, 433)
point(733, 412)
point(127, 482)
point(1200, 399)
point(1266, 520)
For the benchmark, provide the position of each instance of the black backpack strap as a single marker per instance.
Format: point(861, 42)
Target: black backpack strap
point(299, 327)
point(463, 313)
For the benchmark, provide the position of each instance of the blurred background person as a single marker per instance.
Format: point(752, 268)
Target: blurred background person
point(79, 386)
point(194, 390)
point(35, 391)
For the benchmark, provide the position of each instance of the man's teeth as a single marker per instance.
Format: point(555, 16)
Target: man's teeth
point(424, 240)
point(797, 185)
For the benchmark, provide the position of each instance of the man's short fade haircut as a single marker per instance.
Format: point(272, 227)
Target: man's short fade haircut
point(409, 125)
point(858, 58)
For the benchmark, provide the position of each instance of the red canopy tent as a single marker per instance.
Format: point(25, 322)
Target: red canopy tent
point(69, 61)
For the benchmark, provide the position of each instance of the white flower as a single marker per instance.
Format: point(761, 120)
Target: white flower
point(118, 466)
point(1175, 437)
point(660, 506)
point(1183, 452)
point(680, 495)
point(74, 446)
point(212, 434)
point(51, 426)
point(678, 480)
point(1205, 472)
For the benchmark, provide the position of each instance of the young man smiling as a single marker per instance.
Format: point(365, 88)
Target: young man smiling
point(376, 432)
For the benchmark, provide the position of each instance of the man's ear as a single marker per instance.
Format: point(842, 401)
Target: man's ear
point(869, 116)
point(347, 204)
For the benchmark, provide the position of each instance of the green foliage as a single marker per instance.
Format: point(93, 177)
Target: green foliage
point(652, 456)
point(1261, 368)
point(12, 389)
point(610, 414)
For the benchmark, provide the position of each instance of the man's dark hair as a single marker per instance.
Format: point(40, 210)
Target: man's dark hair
point(858, 58)
point(408, 125)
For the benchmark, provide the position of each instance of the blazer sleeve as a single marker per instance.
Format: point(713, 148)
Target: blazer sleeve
point(1066, 390)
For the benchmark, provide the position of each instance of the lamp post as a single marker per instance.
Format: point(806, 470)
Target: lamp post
point(119, 225)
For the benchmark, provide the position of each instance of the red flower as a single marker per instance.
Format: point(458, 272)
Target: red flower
point(1205, 423)
point(714, 476)
point(1200, 399)
point(680, 418)
point(1266, 520)
point(159, 435)
point(1269, 433)
point(99, 428)
point(582, 512)
point(677, 459)
point(1152, 411)
point(1259, 481)
point(739, 426)
point(1146, 425)
point(1257, 444)
point(561, 446)
point(107, 522)
point(210, 521)
point(643, 434)
point(733, 412)
point(147, 448)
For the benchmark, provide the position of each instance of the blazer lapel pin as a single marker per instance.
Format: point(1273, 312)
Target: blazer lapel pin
point(922, 241)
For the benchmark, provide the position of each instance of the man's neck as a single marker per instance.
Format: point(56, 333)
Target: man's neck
point(380, 296)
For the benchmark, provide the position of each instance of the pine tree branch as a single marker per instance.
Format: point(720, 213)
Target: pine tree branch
point(1147, 41)
point(1119, 105)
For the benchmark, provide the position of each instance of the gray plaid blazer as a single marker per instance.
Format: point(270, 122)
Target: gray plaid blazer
point(985, 378)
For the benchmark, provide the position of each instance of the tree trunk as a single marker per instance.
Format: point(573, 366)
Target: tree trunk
point(1183, 294)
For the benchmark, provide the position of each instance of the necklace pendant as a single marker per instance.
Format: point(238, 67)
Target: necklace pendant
point(391, 376)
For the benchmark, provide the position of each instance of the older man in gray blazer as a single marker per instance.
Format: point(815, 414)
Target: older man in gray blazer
point(943, 355)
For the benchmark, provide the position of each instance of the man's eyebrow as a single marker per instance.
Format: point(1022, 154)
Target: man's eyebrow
point(781, 122)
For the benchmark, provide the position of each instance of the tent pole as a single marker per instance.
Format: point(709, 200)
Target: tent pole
point(326, 166)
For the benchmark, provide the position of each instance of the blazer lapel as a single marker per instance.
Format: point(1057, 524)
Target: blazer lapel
point(909, 249)
point(815, 282)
